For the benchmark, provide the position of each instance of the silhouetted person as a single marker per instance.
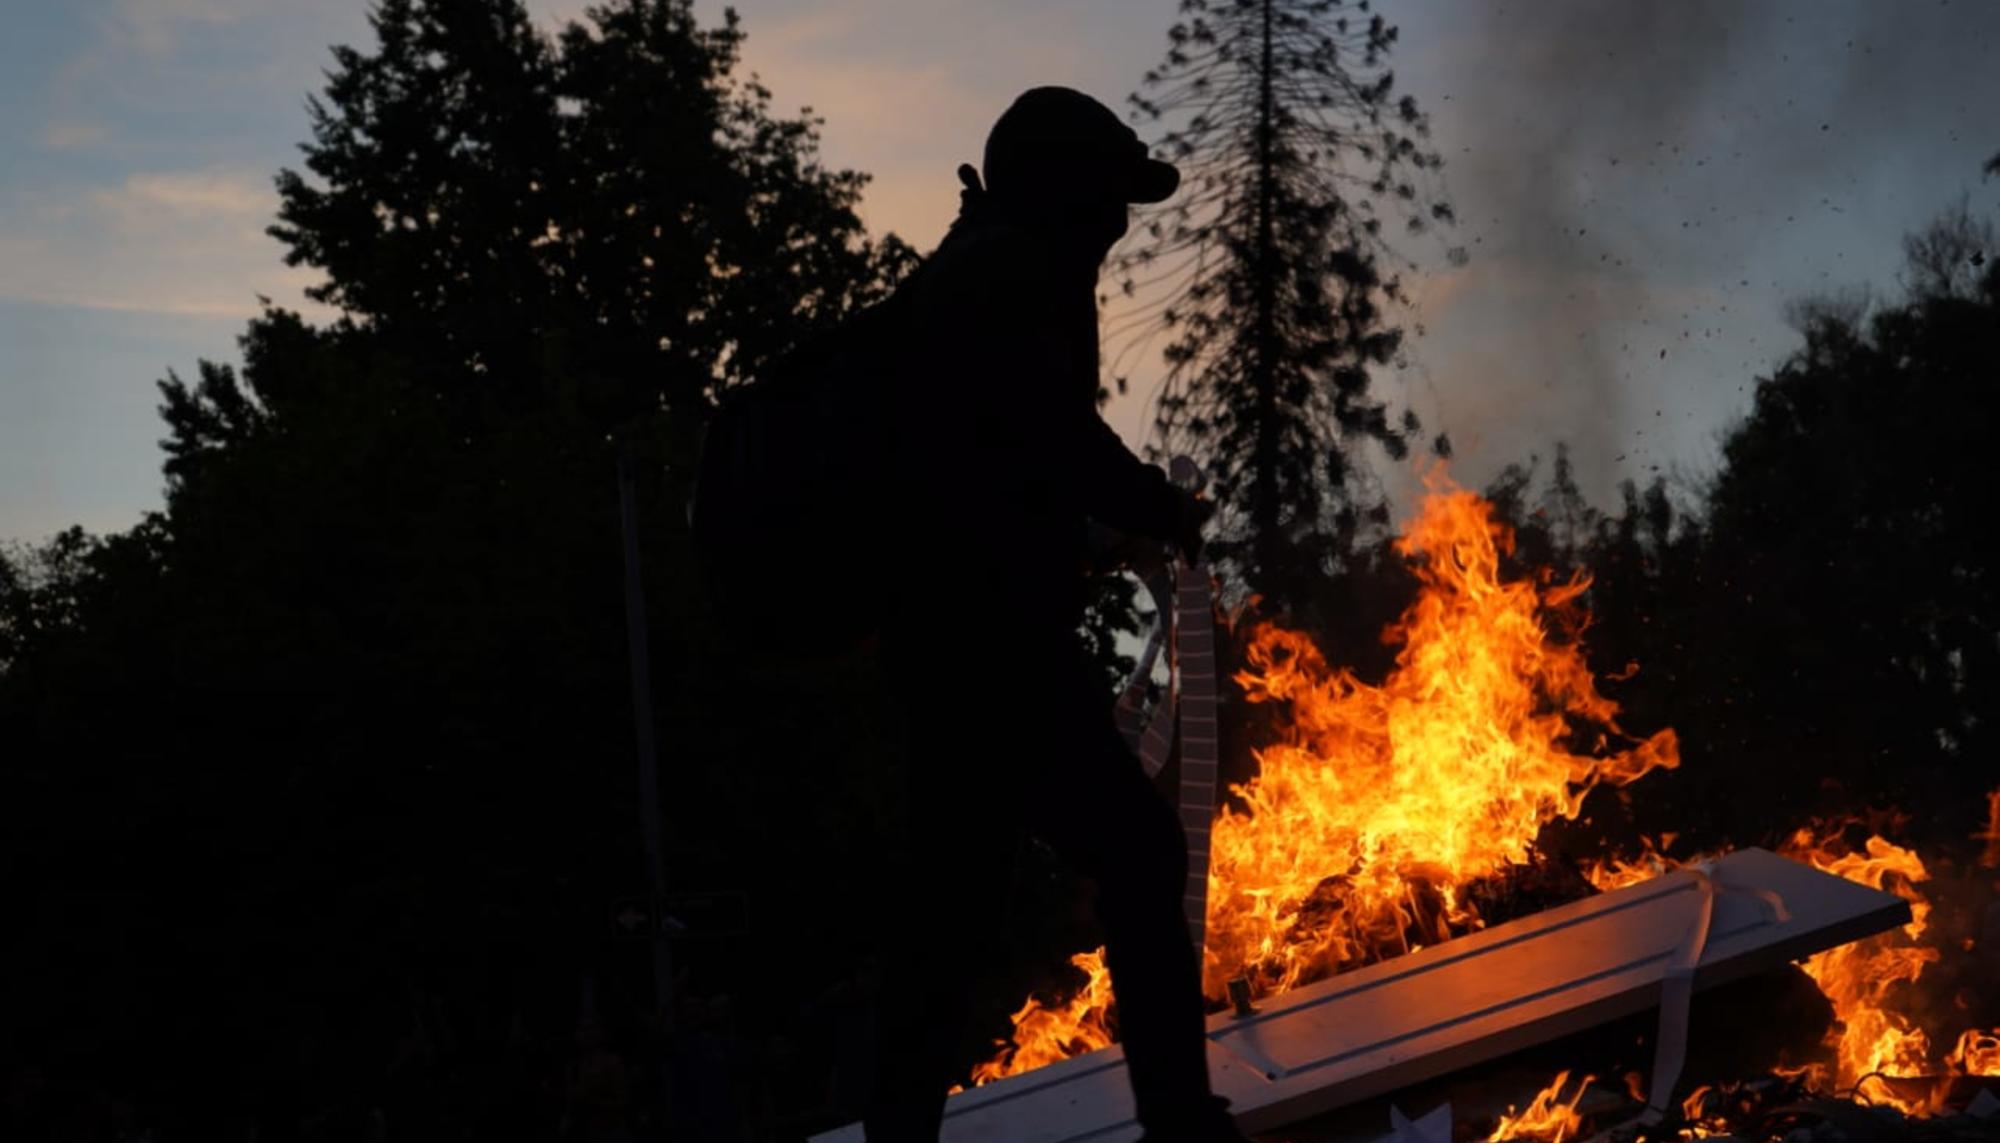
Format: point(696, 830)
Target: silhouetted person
point(1005, 461)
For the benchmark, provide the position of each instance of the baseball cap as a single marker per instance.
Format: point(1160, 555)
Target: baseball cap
point(1057, 138)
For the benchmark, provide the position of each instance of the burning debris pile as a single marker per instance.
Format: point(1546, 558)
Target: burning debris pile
point(1879, 1064)
point(1877, 1040)
point(1388, 817)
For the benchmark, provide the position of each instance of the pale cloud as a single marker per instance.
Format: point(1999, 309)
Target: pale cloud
point(73, 135)
point(166, 242)
point(154, 27)
point(185, 52)
point(148, 199)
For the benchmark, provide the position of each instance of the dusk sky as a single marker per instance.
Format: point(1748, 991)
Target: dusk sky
point(1642, 189)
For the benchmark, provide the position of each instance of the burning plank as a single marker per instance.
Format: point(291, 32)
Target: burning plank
point(1386, 1026)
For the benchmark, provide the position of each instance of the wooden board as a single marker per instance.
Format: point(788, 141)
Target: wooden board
point(1194, 667)
point(1390, 1025)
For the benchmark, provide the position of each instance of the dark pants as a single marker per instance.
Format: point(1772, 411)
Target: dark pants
point(1026, 744)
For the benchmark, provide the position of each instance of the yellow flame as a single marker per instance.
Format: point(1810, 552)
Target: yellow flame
point(1608, 873)
point(1977, 1053)
point(1047, 1032)
point(1548, 1118)
point(1701, 1118)
point(1379, 805)
point(1867, 982)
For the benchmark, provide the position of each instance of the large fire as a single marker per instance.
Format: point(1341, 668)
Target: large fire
point(1381, 806)
point(1876, 1038)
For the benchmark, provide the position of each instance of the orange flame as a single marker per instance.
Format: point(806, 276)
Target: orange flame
point(1057, 1030)
point(1693, 1105)
point(1382, 803)
point(1977, 1053)
point(1548, 1118)
point(1606, 874)
point(1867, 983)
point(1704, 1113)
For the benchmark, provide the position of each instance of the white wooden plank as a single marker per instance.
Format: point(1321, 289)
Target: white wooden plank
point(1393, 1024)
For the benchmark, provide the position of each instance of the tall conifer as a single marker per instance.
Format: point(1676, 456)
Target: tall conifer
point(1267, 274)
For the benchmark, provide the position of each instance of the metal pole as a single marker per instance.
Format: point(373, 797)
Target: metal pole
point(642, 713)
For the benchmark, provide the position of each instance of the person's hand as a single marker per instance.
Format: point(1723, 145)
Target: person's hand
point(1194, 514)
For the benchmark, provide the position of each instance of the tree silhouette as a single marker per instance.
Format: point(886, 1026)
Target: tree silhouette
point(616, 206)
point(1817, 618)
point(342, 738)
point(1852, 603)
point(1266, 275)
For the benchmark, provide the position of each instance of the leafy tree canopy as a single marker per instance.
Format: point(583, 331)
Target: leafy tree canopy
point(350, 719)
point(1818, 617)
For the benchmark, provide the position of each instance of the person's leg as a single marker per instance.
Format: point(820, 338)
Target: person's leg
point(938, 916)
point(921, 1013)
point(1101, 812)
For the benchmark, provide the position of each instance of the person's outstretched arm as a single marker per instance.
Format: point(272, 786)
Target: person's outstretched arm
point(1118, 489)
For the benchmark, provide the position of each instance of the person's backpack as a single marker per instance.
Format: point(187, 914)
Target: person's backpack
point(789, 505)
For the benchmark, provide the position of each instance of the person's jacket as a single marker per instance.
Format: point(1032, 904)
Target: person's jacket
point(1001, 453)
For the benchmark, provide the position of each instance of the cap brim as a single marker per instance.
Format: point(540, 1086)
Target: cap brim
point(1153, 181)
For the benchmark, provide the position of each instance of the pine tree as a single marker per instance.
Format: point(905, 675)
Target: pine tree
point(1266, 274)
